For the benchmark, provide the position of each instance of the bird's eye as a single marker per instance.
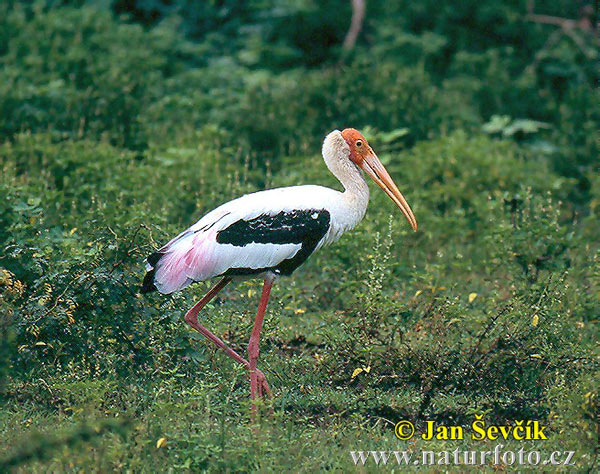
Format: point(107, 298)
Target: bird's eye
point(358, 142)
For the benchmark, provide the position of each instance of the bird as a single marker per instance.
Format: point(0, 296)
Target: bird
point(269, 234)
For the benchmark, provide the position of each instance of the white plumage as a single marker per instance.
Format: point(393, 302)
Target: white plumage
point(197, 254)
point(270, 233)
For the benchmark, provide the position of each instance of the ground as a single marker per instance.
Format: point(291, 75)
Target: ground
point(118, 133)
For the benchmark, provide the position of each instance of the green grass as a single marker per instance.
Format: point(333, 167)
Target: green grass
point(110, 148)
point(384, 298)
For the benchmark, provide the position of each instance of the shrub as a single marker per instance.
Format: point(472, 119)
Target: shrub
point(79, 73)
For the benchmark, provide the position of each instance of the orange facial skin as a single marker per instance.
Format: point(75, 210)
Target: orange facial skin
point(363, 156)
point(359, 147)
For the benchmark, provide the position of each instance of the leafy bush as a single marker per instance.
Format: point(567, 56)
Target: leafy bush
point(115, 136)
point(79, 73)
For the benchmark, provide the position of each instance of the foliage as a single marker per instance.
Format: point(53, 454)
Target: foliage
point(81, 74)
point(119, 131)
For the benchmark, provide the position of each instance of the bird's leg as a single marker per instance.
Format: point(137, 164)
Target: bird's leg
point(191, 317)
point(253, 349)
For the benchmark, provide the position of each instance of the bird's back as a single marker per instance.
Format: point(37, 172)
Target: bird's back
point(273, 230)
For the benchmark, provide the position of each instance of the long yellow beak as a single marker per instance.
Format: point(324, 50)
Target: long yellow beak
point(375, 169)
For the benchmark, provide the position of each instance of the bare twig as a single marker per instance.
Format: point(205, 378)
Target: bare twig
point(552, 20)
point(567, 27)
point(358, 18)
point(587, 21)
point(129, 248)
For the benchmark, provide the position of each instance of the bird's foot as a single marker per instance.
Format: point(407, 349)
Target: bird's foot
point(263, 386)
point(259, 388)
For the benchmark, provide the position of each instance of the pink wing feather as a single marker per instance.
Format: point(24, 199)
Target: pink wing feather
point(195, 254)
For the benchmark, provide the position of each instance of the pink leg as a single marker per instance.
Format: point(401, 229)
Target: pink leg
point(191, 317)
point(253, 349)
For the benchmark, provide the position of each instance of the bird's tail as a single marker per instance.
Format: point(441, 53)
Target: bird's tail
point(184, 260)
point(148, 285)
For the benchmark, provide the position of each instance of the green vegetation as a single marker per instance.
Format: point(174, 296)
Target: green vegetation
point(118, 131)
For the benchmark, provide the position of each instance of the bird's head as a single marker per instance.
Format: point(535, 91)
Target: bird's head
point(355, 148)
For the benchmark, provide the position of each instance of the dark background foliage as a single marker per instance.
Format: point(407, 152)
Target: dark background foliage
point(121, 122)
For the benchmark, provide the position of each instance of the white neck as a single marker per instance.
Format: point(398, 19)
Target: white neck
point(355, 197)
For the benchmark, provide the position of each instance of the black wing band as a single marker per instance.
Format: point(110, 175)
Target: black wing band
point(305, 227)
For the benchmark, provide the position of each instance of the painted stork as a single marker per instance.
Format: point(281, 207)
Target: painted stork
point(268, 234)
